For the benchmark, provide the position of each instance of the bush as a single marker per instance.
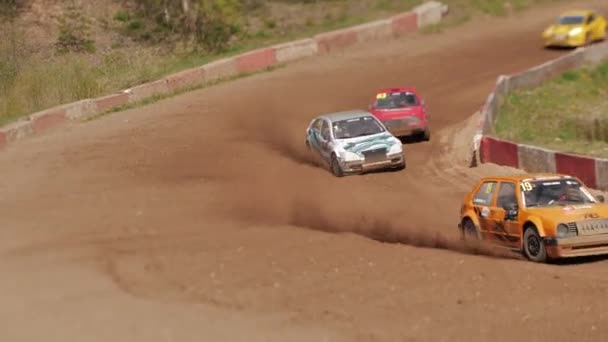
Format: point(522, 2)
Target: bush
point(210, 24)
point(74, 31)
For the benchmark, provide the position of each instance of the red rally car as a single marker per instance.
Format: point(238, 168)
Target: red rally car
point(402, 111)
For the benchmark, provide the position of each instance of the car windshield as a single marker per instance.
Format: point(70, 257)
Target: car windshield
point(543, 193)
point(395, 100)
point(570, 20)
point(356, 127)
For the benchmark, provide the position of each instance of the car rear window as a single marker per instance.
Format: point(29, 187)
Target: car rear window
point(392, 100)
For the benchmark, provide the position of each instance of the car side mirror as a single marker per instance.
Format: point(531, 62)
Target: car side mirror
point(600, 198)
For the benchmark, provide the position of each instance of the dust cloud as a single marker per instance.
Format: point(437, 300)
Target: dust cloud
point(283, 192)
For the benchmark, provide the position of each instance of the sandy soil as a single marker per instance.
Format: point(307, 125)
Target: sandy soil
point(202, 217)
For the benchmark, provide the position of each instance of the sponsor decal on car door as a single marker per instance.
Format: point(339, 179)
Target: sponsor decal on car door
point(503, 222)
point(482, 201)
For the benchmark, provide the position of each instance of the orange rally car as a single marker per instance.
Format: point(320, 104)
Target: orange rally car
point(544, 216)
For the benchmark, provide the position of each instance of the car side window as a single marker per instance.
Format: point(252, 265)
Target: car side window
point(485, 193)
point(325, 130)
point(317, 125)
point(506, 194)
point(590, 19)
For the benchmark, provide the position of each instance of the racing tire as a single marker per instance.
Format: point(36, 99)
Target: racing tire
point(534, 246)
point(400, 166)
point(336, 170)
point(587, 39)
point(426, 136)
point(469, 231)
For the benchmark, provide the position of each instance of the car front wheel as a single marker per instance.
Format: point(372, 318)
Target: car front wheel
point(534, 246)
point(335, 167)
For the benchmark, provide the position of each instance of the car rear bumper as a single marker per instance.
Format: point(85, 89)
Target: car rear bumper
point(400, 127)
point(361, 166)
point(577, 246)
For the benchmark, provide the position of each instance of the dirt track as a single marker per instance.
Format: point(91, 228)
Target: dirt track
point(201, 218)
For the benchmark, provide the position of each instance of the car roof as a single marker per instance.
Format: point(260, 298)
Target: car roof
point(527, 176)
point(345, 115)
point(397, 89)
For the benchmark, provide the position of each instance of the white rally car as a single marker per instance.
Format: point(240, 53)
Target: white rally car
point(354, 142)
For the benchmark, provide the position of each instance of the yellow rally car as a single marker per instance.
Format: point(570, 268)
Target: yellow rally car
point(544, 216)
point(575, 28)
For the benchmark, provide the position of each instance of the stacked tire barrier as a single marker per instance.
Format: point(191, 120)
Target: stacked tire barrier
point(490, 149)
point(428, 13)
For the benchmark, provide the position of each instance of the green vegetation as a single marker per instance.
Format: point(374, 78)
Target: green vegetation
point(98, 52)
point(569, 113)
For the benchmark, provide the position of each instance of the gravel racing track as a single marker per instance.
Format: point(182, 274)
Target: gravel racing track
point(201, 217)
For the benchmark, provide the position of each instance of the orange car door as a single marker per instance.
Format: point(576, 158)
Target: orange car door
point(504, 216)
point(482, 201)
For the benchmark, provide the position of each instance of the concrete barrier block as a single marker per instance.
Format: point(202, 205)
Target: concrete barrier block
point(296, 50)
point(3, 139)
point(429, 13)
point(147, 90)
point(47, 119)
point(256, 60)
point(579, 166)
point(80, 109)
point(220, 69)
point(185, 79)
point(500, 152)
point(536, 159)
point(538, 75)
point(601, 174)
point(335, 40)
point(404, 23)
point(18, 130)
point(376, 30)
point(108, 102)
point(596, 54)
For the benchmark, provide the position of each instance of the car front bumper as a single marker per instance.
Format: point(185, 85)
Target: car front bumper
point(359, 166)
point(564, 40)
point(577, 246)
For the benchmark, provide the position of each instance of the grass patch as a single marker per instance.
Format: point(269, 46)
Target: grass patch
point(30, 84)
point(569, 113)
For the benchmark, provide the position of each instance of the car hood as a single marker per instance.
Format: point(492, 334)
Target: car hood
point(569, 213)
point(360, 144)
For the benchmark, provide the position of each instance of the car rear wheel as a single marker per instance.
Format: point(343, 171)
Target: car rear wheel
point(335, 167)
point(426, 135)
point(534, 246)
point(469, 231)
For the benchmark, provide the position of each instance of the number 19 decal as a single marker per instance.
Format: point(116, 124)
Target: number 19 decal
point(526, 186)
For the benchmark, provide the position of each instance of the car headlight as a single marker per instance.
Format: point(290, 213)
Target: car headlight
point(396, 149)
point(349, 156)
point(564, 232)
point(575, 31)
